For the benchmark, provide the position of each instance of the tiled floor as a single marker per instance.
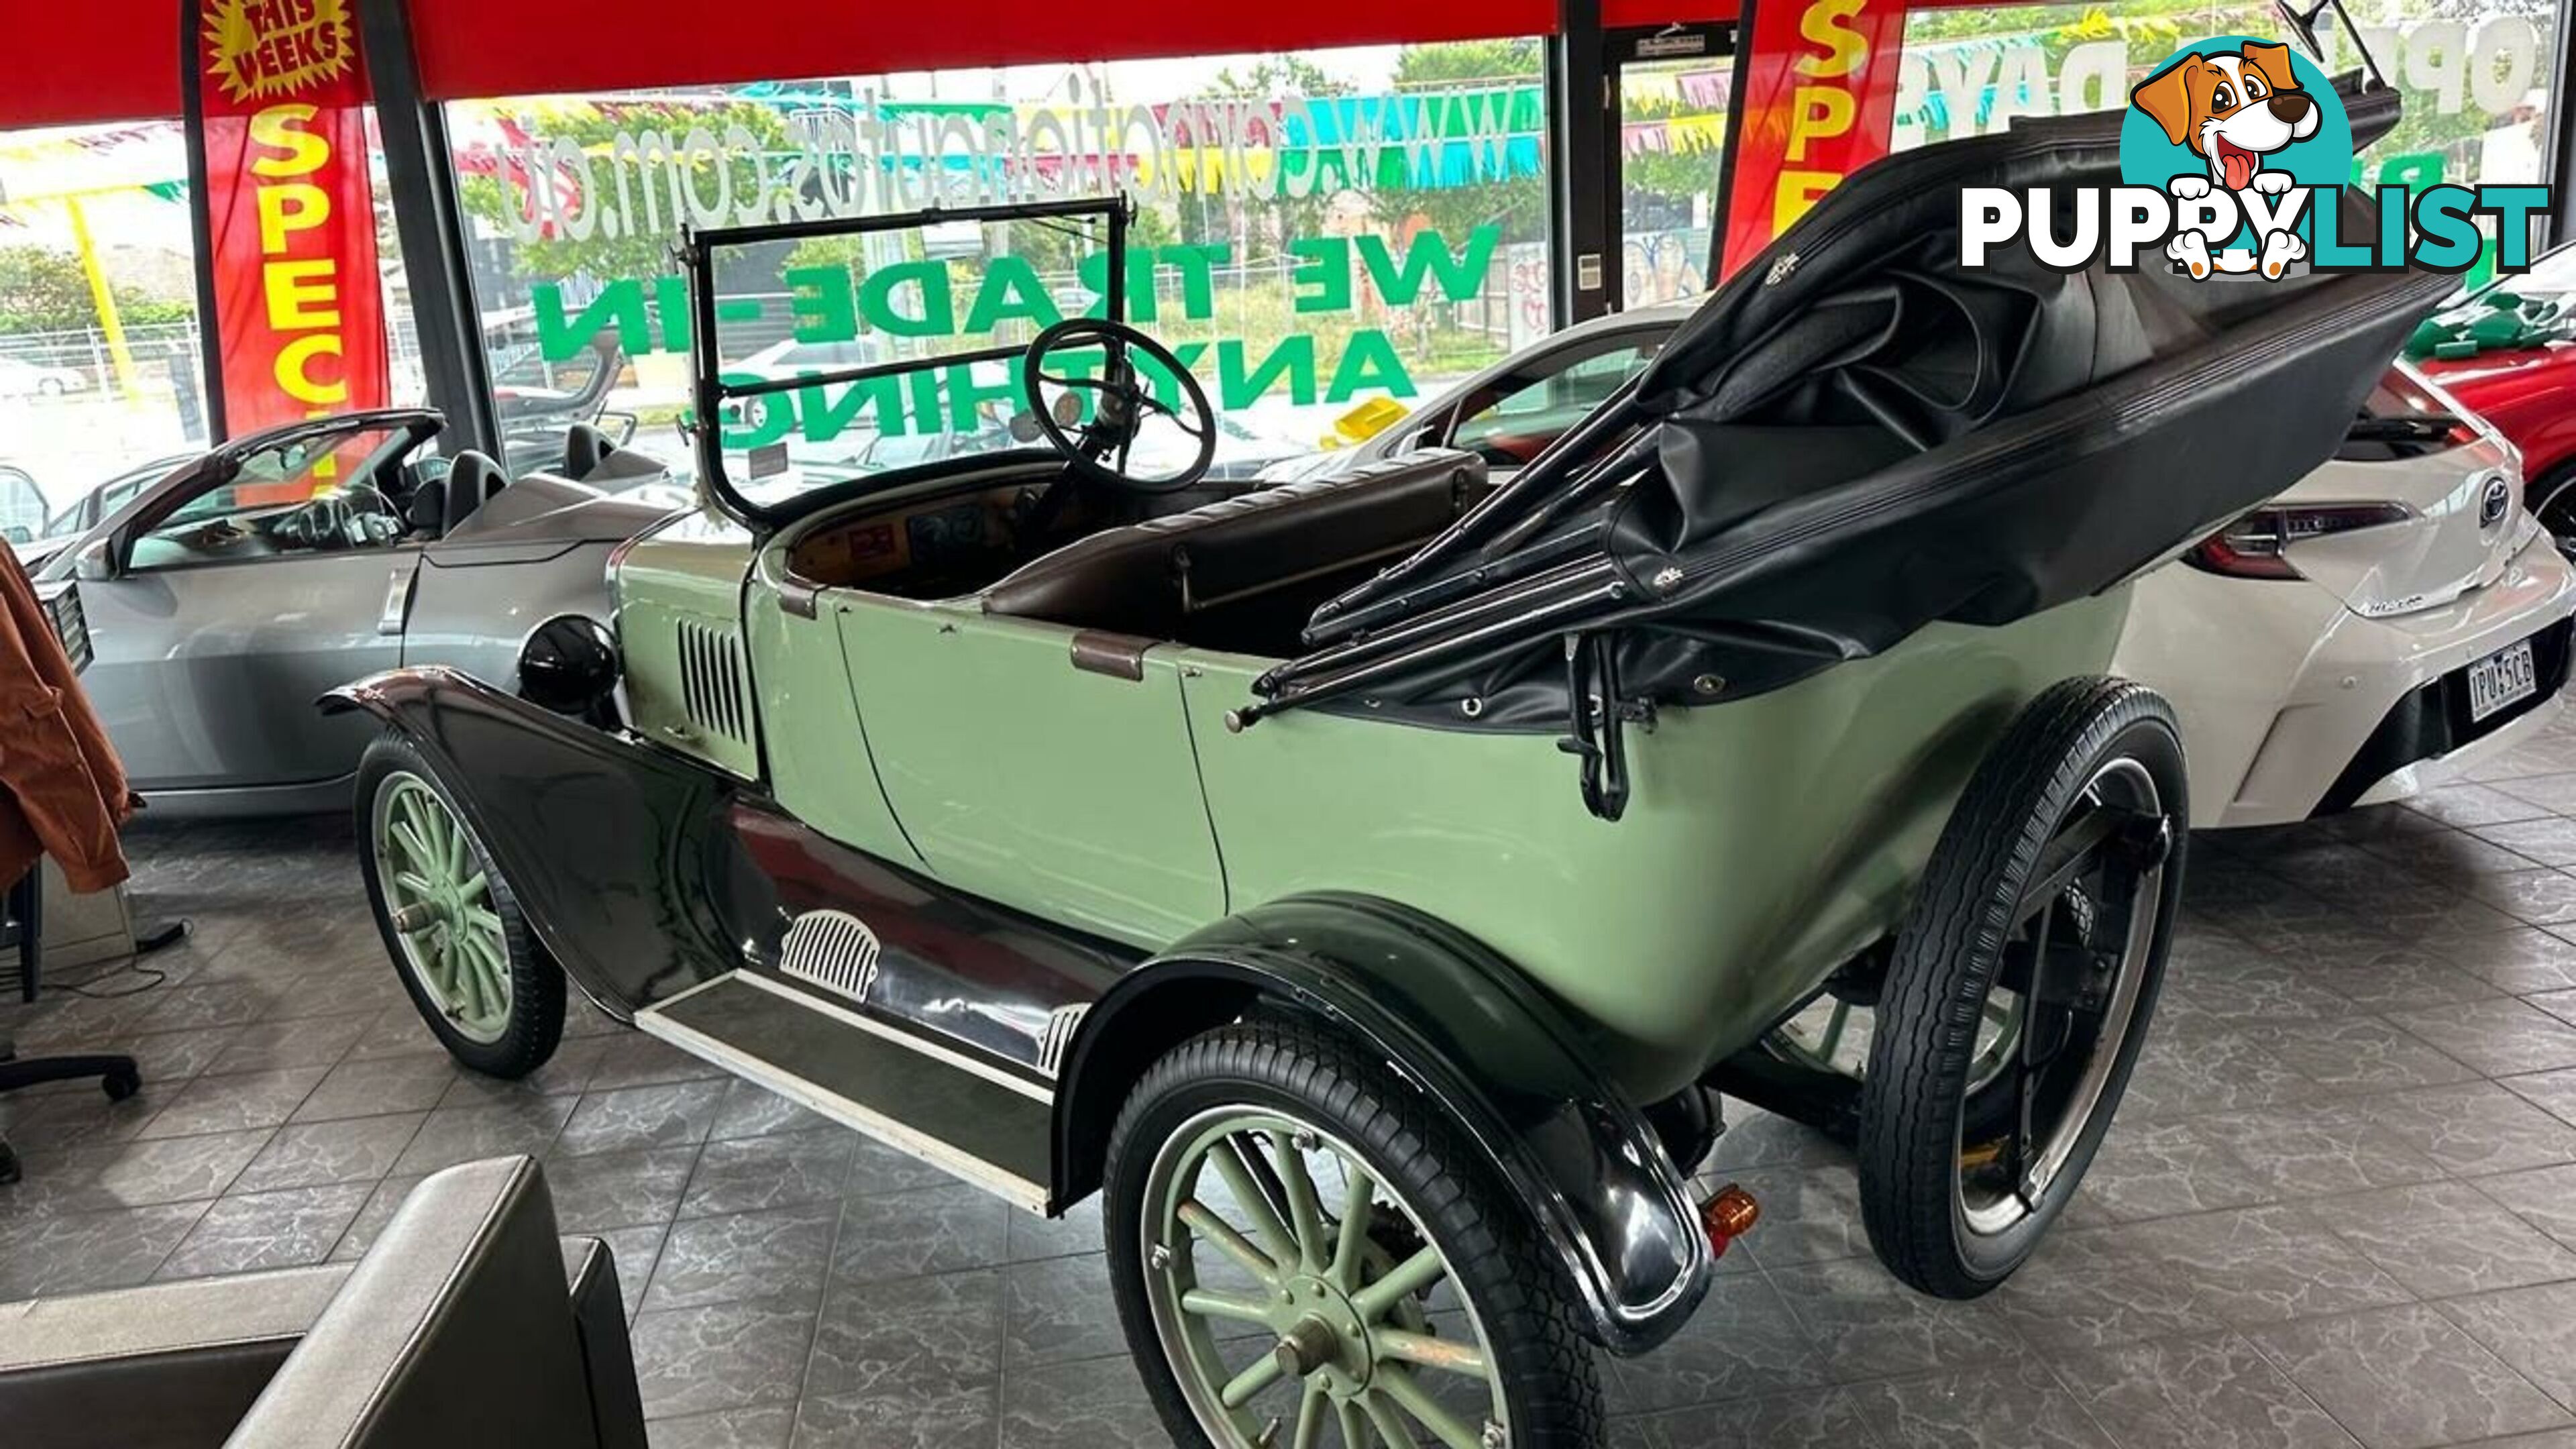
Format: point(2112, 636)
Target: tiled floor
point(2339, 1205)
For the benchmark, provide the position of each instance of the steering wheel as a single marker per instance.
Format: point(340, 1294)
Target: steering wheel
point(1121, 402)
point(347, 519)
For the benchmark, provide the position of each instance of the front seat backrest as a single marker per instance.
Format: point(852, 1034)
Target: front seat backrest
point(585, 448)
point(471, 482)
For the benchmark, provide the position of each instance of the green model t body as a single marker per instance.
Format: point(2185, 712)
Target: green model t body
point(1370, 884)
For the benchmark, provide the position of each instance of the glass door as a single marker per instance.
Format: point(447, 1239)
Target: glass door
point(1670, 88)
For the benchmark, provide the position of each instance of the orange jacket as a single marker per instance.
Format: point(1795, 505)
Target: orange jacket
point(62, 791)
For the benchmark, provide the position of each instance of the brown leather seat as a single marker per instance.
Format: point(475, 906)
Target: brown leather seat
point(1147, 579)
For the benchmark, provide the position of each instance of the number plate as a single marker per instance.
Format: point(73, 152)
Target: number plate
point(2500, 679)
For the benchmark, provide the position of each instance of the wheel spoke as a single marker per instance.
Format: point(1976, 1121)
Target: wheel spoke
point(1355, 1429)
point(407, 835)
point(1305, 1213)
point(1260, 1374)
point(1413, 1274)
point(1358, 1203)
point(1200, 1220)
point(1445, 1426)
point(411, 883)
point(1311, 1407)
point(1834, 1026)
point(477, 887)
point(486, 922)
point(1208, 1303)
point(1384, 1418)
point(1456, 1355)
point(1229, 1156)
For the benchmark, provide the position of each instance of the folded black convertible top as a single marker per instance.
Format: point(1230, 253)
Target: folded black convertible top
point(1858, 436)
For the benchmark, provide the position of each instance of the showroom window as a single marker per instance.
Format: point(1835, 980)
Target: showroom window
point(1315, 230)
point(101, 372)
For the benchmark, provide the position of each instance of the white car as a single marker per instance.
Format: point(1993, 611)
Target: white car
point(2380, 628)
point(21, 378)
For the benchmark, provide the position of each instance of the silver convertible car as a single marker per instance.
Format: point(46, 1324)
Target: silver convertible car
point(224, 597)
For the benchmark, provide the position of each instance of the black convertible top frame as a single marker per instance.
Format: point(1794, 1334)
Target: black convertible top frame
point(710, 391)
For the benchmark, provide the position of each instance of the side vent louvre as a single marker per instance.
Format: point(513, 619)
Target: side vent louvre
point(1059, 1035)
point(712, 685)
point(833, 949)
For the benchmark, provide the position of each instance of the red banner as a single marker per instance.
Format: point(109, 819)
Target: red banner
point(299, 305)
point(1819, 102)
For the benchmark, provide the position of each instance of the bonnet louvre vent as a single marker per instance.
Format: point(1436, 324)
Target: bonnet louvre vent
point(832, 949)
point(712, 682)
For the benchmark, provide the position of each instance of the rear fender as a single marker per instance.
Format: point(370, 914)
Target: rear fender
point(1463, 1026)
point(612, 847)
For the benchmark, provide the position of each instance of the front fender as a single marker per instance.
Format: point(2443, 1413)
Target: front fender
point(613, 848)
point(1465, 1027)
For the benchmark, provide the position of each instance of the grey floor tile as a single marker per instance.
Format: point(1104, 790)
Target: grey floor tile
point(379, 1087)
point(2500, 1038)
point(2446, 1238)
point(671, 1115)
point(134, 1174)
point(635, 1251)
point(2262, 1265)
point(1078, 1406)
point(1078, 1231)
point(632, 1059)
point(567, 1072)
point(2361, 1054)
point(2550, 840)
point(1057, 1310)
point(452, 1135)
point(286, 1229)
point(747, 1174)
point(269, 1046)
point(2093, 1288)
point(1744, 1341)
point(2532, 1329)
point(919, 1416)
point(729, 1356)
point(1800, 1419)
point(767, 1426)
point(875, 1337)
point(2313, 1148)
point(311, 1154)
point(606, 1190)
point(1870, 1325)
point(752, 1110)
point(2520, 960)
point(2471, 1129)
point(781, 1255)
point(2017, 1403)
point(2454, 1391)
point(2544, 1197)
point(2552, 1092)
point(64, 1253)
point(927, 1230)
point(2196, 1392)
point(233, 1103)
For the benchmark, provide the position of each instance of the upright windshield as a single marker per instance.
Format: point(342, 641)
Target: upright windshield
point(832, 356)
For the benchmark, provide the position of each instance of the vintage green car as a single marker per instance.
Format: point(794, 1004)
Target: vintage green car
point(1368, 884)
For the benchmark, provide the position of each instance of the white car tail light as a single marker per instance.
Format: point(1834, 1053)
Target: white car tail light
point(2256, 546)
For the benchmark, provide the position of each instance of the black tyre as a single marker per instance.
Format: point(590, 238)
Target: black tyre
point(2054, 883)
point(2552, 500)
point(1297, 1237)
point(487, 988)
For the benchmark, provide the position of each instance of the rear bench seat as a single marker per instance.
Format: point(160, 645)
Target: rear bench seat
point(1149, 579)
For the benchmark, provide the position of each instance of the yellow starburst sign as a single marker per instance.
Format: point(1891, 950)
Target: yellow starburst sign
point(276, 48)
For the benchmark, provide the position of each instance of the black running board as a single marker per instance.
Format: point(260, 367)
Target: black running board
point(946, 1108)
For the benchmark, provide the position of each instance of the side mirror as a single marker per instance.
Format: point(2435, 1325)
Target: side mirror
point(96, 562)
point(18, 533)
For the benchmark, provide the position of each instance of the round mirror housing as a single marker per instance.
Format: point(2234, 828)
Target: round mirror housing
point(569, 664)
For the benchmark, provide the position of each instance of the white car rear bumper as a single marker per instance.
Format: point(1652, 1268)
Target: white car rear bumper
point(2293, 705)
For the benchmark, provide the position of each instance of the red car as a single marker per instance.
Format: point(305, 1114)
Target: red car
point(2508, 353)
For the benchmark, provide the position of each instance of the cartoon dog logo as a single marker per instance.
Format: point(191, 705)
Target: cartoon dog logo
point(2233, 109)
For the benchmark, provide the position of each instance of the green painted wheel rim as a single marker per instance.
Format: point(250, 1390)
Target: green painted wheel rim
point(1833, 1035)
point(439, 906)
point(1282, 1308)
